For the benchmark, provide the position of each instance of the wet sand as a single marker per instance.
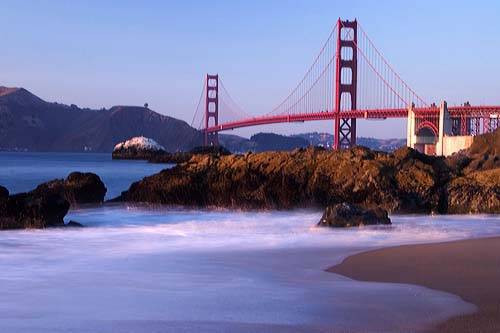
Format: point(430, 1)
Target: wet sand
point(469, 269)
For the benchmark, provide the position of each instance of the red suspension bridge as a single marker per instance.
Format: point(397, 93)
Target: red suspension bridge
point(348, 80)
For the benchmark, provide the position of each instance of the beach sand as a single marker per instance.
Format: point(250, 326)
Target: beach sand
point(469, 269)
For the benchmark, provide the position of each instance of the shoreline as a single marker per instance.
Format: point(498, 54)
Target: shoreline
point(468, 268)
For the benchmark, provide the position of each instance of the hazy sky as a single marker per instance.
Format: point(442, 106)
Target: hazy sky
point(103, 53)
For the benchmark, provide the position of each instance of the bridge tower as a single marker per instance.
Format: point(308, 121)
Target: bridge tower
point(346, 75)
point(211, 109)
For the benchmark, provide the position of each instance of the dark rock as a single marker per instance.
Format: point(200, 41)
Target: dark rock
point(347, 215)
point(39, 208)
point(4, 193)
point(82, 188)
point(73, 224)
point(47, 204)
point(78, 188)
point(4, 196)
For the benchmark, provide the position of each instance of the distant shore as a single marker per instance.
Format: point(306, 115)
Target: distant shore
point(468, 268)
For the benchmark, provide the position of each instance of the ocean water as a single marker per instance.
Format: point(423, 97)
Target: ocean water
point(139, 268)
point(21, 172)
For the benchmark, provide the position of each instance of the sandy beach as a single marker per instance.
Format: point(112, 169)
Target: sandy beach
point(469, 269)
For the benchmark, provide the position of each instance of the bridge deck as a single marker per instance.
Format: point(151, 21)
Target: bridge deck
point(484, 111)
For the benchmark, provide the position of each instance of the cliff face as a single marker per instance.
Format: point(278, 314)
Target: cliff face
point(29, 123)
point(404, 181)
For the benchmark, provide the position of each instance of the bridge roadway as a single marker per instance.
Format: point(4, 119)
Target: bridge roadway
point(485, 111)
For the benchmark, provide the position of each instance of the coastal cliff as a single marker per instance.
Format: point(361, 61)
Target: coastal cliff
point(403, 181)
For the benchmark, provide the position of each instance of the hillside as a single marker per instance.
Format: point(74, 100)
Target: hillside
point(59, 127)
point(326, 139)
point(261, 142)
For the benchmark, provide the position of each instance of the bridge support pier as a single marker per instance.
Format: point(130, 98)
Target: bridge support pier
point(444, 128)
point(411, 138)
point(440, 141)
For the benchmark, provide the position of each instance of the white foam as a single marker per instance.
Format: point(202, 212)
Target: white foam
point(168, 267)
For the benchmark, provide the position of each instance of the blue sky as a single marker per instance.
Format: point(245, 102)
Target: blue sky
point(102, 53)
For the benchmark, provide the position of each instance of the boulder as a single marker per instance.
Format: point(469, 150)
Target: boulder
point(78, 188)
point(39, 208)
point(4, 196)
point(347, 215)
point(82, 188)
point(4, 193)
point(49, 202)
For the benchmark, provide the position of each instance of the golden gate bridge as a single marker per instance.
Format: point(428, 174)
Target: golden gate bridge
point(349, 80)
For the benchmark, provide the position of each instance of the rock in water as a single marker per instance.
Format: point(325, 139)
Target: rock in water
point(347, 215)
point(39, 208)
point(4, 196)
point(4, 193)
point(137, 148)
point(47, 205)
point(81, 188)
point(78, 188)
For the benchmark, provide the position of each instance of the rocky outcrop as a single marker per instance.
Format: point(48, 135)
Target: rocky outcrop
point(78, 188)
point(476, 192)
point(137, 148)
point(49, 202)
point(347, 215)
point(405, 181)
point(483, 154)
point(39, 208)
point(475, 187)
